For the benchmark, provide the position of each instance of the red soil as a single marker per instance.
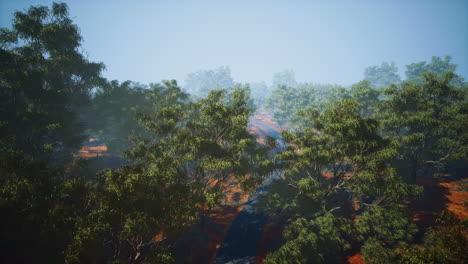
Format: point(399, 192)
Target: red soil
point(458, 199)
point(91, 152)
point(224, 216)
point(441, 192)
point(264, 118)
point(220, 220)
point(355, 259)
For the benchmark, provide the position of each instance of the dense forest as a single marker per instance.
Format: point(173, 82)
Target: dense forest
point(341, 175)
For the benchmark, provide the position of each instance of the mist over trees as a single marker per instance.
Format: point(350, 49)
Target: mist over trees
point(414, 127)
point(200, 83)
point(341, 176)
point(437, 66)
point(383, 75)
point(42, 69)
point(285, 78)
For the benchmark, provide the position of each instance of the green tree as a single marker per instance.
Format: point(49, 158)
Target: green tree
point(260, 91)
point(429, 120)
point(383, 75)
point(366, 96)
point(312, 241)
point(45, 80)
point(286, 101)
point(284, 78)
point(111, 115)
point(40, 206)
point(200, 83)
point(338, 157)
point(445, 242)
point(195, 153)
point(437, 66)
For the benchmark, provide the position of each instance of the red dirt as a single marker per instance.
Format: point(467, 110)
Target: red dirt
point(441, 192)
point(92, 151)
point(457, 198)
point(264, 118)
point(355, 259)
point(221, 219)
point(224, 216)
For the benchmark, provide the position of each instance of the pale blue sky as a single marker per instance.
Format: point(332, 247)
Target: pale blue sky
point(322, 41)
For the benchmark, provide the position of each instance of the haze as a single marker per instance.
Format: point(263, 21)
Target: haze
point(322, 41)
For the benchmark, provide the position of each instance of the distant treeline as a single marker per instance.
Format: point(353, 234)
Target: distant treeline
point(348, 166)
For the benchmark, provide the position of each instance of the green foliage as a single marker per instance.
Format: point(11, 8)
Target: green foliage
point(428, 120)
point(39, 209)
point(313, 241)
point(281, 102)
point(422, 123)
point(196, 151)
point(338, 156)
point(200, 83)
point(185, 156)
point(366, 96)
point(383, 75)
point(387, 225)
point(284, 78)
point(44, 81)
point(260, 92)
point(445, 242)
point(437, 66)
point(286, 101)
point(375, 251)
point(111, 116)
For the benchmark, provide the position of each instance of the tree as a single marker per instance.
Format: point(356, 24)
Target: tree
point(383, 230)
point(383, 75)
point(45, 80)
point(196, 152)
point(111, 115)
point(429, 120)
point(312, 241)
point(260, 91)
point(366, 96)
point(284, 78)
point(445, 242)
point(437, 66)
point(39, 208)
point(200, 83)
point(286, 101)
point(338, 157)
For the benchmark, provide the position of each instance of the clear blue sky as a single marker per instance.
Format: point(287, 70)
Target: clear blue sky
point(322, 41)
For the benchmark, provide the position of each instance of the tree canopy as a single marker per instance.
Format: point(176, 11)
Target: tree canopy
point(383, 75)
point(341, 178)
point(200, 83)
point(45, 80)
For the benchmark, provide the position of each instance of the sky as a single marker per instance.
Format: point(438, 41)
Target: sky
point(322, 41)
